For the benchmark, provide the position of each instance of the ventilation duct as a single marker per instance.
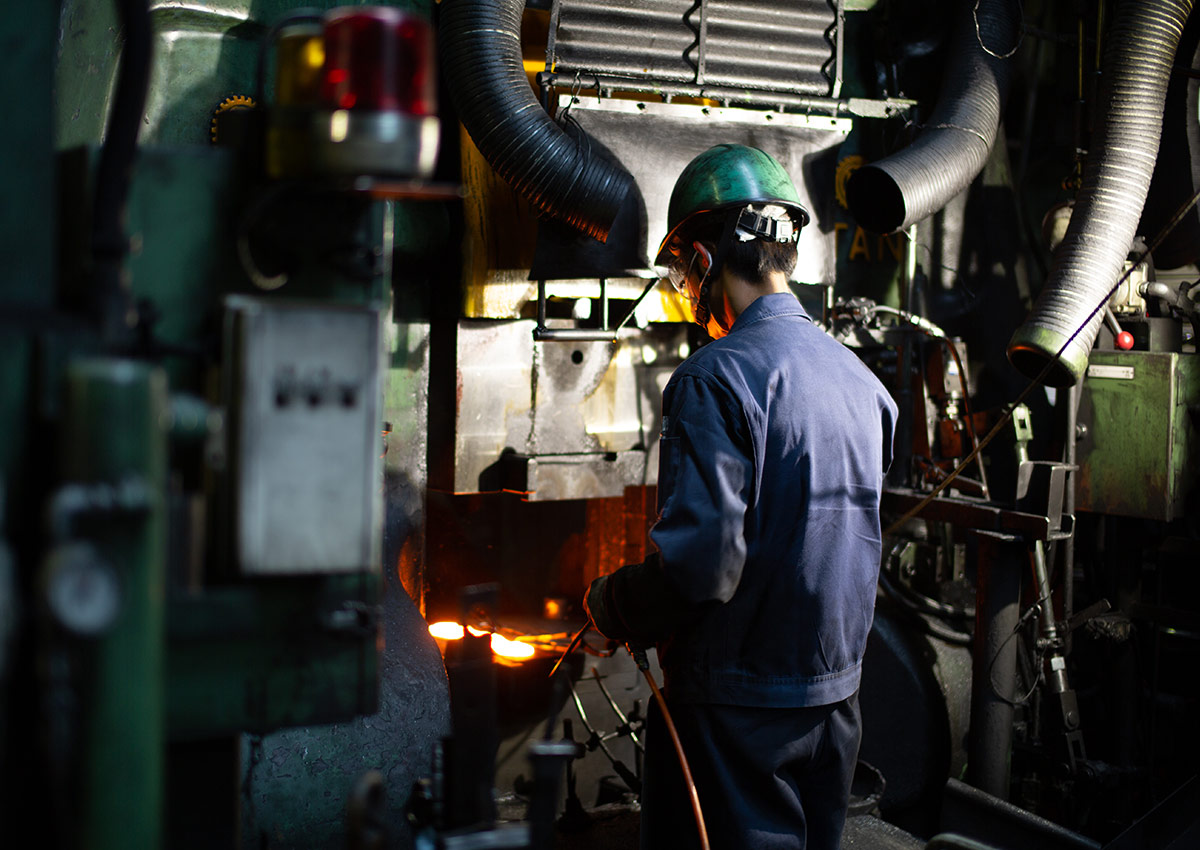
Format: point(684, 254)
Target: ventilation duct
point(953, 147)
point(1141, 50)
point(480, 45)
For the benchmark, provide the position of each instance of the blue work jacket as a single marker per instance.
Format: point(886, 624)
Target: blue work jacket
point(775, 442)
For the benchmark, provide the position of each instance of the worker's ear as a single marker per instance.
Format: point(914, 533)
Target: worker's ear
point(705, 257)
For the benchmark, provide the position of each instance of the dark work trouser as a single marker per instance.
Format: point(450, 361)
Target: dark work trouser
point(768, 778)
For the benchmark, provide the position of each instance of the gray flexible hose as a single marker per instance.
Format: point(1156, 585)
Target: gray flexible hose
point(952, 148)
point(1137, 67)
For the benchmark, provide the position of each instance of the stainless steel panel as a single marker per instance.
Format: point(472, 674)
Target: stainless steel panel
point(559, 419)
point(304, 392)
point(654, 141)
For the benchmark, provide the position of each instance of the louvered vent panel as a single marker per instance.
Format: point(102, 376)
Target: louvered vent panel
point(782, 46)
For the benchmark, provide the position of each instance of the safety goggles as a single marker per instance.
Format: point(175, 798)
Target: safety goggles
point(679, 269)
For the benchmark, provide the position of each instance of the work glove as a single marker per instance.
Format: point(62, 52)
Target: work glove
point(637, 604)
point(599, 604)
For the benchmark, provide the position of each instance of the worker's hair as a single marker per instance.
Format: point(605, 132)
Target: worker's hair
point(753, 261)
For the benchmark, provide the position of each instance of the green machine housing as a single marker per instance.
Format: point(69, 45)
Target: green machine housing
point(1139, 414)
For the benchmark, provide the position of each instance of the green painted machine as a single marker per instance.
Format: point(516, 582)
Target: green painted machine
point(202, 369)
point(308, 334)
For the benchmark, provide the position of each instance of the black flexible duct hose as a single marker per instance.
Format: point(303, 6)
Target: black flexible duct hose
point(1137, 67)
point(953, 147)
point(480, 45)
point(110, 243)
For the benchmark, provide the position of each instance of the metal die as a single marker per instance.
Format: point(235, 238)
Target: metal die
point(558, 420)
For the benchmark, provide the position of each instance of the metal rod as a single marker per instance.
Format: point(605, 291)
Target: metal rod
point(573, 334)
point(575, 641)
point(1068, 545)
point(839, 49)
point(616, 708)
point(619, 766)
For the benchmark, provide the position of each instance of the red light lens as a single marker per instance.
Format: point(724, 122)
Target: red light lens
point(378, 58)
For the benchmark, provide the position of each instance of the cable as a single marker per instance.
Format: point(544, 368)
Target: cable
point(643, 663)
point(1036, 382)
point(921, 616)
point(962, 380)
point(1037, 655)
point(108, 299)
point(934, 332)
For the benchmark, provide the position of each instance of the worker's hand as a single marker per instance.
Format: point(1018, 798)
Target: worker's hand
point(599, 605)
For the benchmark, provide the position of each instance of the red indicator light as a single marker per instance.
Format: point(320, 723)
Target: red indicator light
point(379, 58)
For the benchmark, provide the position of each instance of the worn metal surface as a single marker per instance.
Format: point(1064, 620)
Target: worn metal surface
point(582, 417)
point(266, 655)
point(406, 421)
point(741, 44)
point(656, 141)
point(1137, 449)
point(979, 515)
point(298, 780)
point(978, 815)
point(306, 431)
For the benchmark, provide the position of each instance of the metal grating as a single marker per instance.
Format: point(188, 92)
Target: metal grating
point(718, 47)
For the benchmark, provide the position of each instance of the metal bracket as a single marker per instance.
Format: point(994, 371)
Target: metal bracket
point(541, 333)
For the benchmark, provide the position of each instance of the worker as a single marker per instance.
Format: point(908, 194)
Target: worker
point(774, 445)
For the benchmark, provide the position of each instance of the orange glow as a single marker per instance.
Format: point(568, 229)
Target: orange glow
point(446, 630)
point(502, 646)
point(506, 648)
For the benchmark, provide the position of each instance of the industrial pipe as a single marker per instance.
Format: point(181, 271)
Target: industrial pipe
point(480, 45)
point(114, 172)
point(953, 146)
point(994, 662)
point(1089, 260)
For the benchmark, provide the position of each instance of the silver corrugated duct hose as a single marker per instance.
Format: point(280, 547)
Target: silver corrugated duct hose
point(907, 186)
point(1090, 259)
point(480, 45)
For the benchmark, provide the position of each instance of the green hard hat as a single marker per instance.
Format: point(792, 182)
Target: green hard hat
point(729, 176)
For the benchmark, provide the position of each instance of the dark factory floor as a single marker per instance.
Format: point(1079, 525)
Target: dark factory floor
point(615, 827)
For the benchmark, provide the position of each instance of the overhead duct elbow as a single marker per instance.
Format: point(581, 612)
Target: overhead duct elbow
point(480, 45)
point(1089, 261)
point(954, 145)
